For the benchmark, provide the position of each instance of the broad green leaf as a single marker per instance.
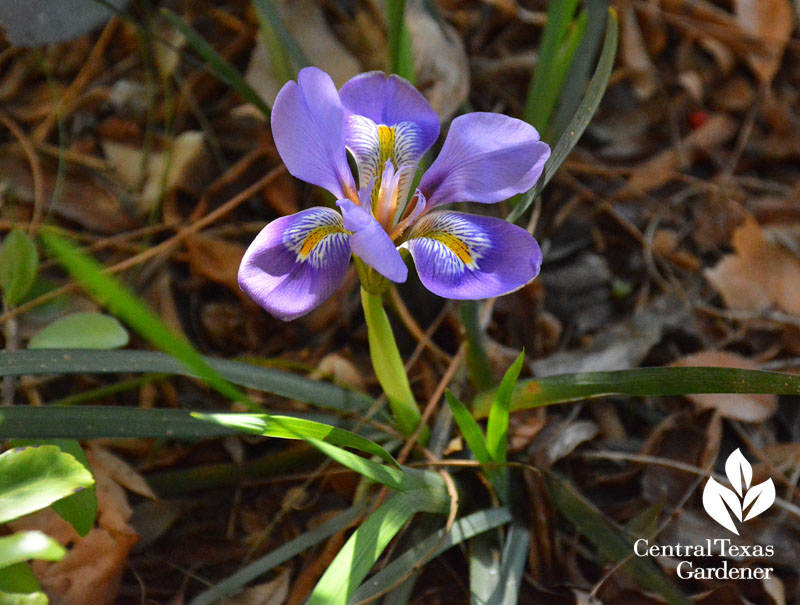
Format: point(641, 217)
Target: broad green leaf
point(233, 584)
point(132, 311)
point(388, 364)
point(19, 263)
point(80, 509)
point(429, 548)
point(31, 598)
point(641, 382)
point(88, 330)
point(17, 580)
point(569, 138)
point(470, 430)
point(27, 545)
point(284, 384)
point(32, 478)
point(286, 427)
point(609, 539)
point(218, 66)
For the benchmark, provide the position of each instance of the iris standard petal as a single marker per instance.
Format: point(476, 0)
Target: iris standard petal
point(308, 128)
point(371, 243)
point(487, 158)
point(465, 256)
point(390, 100)
point(296, 262)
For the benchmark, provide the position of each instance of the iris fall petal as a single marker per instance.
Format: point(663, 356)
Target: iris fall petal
point(465, 256)
point(296, 262)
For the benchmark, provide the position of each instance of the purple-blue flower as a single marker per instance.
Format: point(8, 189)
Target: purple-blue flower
point(298, 261)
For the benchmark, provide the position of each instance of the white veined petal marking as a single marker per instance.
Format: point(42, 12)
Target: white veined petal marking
point(457, 242)
point(372, 144)
point(315, 235)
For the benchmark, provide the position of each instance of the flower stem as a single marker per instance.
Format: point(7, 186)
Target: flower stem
point(388, 364)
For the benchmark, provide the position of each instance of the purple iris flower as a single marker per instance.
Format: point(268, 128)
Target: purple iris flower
point(298, 261)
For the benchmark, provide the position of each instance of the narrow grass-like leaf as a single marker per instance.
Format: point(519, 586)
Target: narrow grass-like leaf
point(218, 66)
point(365, 546)
point(480, 371)
point(609, 539)
point(133, 312)
point(287, 427)
point(79, 509)
point(427, 484)
point(401, 58)
point(283, 384)
point(469, 428)
point(268, 15)
point(388, 364)
point(541, 96)
point(86, 330)
point(512, 566)
point(581, 69)
point(234, 583)
point(32, 478)
point(497, 427)
point(28, 545)
point(641, 382)
point(429, 548)
point(569, 138)
point(19, 263)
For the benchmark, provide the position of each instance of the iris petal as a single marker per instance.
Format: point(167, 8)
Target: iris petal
point(371, 243)
point(391, 100)
point(465, 256)
point(296, 262)
point(308, 127)
point(487, 158)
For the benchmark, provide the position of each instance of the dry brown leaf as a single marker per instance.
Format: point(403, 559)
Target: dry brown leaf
point(121, 472)
point(663, 167)
point(216, 259)
point(186, 165)
point(440, 61)
point(634, 54)
point(341, 369)
point(772, 21)
point(305, 20)
point(745, 407)
point(273, 592)
point(760, 273)
point(83, 199)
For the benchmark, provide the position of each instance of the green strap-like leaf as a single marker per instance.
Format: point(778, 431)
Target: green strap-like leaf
point(429, 548)
point(641, 382)
point(81, 361)
point(581, 119)
point(609, 540)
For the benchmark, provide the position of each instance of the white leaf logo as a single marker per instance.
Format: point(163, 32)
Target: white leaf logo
point(725, 505)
